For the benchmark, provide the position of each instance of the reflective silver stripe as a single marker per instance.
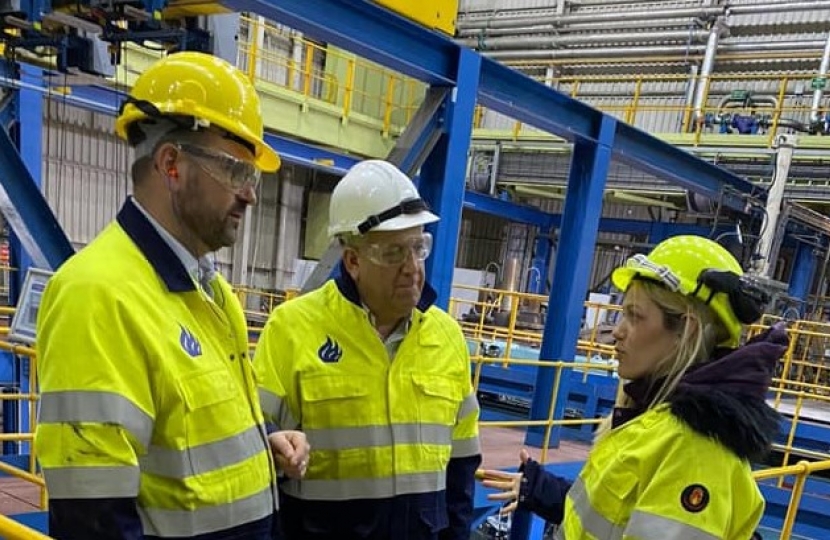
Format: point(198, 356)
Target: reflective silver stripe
point(276, 410)
point(96, 407)
point(468, 406)
point(187, 523)
point(180, 464)
point(92, 482)
point(374, 436)
point(645, 526)
point(466, 447)
point(591, 520)
point(366, 488)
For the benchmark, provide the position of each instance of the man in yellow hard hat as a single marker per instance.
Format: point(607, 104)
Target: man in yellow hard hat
point(150, 425)
point(377, 377)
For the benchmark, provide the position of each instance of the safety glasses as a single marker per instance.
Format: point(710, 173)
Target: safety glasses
point(234, 174)
point(394, 254)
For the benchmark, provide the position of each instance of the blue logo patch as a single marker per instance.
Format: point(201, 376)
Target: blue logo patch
point(189, 343)
point(330, 352)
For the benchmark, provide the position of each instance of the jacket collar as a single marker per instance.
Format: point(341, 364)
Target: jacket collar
point(348, 288)
point(155, 249)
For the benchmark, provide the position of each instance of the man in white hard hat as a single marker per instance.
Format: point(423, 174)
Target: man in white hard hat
point(377, 377)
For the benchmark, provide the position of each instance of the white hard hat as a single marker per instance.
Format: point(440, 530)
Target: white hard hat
point(376, 196)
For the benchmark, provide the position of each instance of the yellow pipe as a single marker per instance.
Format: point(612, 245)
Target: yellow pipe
point(253, 50)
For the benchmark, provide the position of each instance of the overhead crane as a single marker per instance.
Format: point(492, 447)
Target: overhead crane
point(459, 76)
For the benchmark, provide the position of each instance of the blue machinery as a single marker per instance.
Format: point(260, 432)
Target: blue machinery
point(81, 31)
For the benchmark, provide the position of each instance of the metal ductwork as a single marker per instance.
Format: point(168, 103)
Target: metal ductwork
point(818, 93)
point(502, 43)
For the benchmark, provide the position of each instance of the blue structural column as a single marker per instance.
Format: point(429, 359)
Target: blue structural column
point(442, 178)
point(574, 257)
point(28, 139)
point(578, 235)
point(804, 268)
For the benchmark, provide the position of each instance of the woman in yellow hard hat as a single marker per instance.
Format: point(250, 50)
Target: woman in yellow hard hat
point(674, 459)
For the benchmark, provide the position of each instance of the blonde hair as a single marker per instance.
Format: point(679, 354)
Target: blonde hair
point(699, 331)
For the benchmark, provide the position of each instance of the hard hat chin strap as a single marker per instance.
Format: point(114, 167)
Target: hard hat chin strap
point(408, 206)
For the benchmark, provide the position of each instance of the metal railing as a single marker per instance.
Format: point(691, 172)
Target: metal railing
point(660, 103)
point(276, 55)
point(799, 377)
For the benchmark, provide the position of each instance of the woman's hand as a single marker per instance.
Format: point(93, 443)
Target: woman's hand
point(508, 483)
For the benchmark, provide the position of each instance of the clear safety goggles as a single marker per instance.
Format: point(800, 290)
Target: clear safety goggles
point(235, 174)
point(394, 254)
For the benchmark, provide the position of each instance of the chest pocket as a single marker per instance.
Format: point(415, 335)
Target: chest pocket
point(608, 493)
point(438, 397)
point(214, 405)
point(335, 400)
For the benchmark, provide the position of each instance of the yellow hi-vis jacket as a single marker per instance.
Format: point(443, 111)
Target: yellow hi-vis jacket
point(655, 478)
point(378, 427)
point(147, 388)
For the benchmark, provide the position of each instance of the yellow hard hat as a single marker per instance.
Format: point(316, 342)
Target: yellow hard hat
point(205, 88)
point(699, 267)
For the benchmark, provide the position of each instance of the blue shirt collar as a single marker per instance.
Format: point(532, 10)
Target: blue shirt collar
point(167, 264)
point(348, 288)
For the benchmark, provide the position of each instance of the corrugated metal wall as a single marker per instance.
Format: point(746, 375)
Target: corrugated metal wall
point(85, 169)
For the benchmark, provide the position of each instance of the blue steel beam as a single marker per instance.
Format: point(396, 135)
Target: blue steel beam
point(580, 222)
point(384, 37)
point(442, 177)
point(638, 149)
point(368, 30)
point(26, 209)
point(804, 268)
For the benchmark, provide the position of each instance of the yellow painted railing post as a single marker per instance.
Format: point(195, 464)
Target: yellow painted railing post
point(349, 90)
point(253, 47)
point(795, 501)
point(632, 109)
point(776, 115)
point(389, 104)
point(307, 69)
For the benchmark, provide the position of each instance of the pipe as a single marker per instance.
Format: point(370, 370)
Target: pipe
point(706, 70)
point(775, 197)
point(503, 43)
point(603, 52)
point(818, 93)
point(518, 22)
point(626, 24)
point(660, 50)
point(777, 7)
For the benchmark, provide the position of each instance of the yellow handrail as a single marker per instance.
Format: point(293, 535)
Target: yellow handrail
point(12, 530)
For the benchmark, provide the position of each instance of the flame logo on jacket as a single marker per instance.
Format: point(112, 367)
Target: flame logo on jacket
point(189, 343)
point(330, 352)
